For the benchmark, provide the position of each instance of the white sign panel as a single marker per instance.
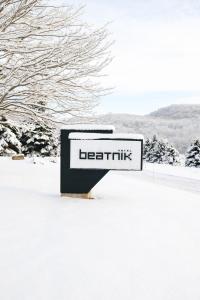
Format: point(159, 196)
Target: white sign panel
point(106, 154)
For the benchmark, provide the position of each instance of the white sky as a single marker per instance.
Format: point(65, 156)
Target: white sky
point(157, 52)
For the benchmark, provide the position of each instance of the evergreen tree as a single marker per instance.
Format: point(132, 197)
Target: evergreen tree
point(39, 140)
point(154, 150)
point(9, 142)
point(172, 156)
point(193, 155)
point(159, 151)
point(146, 150)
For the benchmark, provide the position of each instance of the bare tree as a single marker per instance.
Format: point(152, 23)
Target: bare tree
point(50, 60)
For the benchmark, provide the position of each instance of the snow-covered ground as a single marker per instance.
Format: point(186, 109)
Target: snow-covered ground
point(183, 178)
point(139, 239)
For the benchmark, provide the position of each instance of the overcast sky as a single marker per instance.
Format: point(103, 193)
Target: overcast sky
point(156, 52)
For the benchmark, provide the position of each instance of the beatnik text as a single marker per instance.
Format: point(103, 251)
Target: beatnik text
point(118, 155)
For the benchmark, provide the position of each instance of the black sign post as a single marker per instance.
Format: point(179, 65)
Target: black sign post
point(75, 182)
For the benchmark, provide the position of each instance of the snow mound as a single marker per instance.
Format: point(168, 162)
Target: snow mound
point(136, 240)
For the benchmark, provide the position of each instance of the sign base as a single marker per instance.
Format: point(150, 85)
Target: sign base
point(80, 196)
point(18, 157)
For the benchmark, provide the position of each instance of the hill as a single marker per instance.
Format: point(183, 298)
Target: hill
point(180, 124)
point(183, 111)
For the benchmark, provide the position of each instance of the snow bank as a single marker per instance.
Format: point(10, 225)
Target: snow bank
point(136, 240)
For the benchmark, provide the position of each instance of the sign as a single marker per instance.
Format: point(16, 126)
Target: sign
point(79, 181)
point(105, 154)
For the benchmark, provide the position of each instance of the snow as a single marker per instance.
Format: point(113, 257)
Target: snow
point(178, 171)
point(97, 136)
point(88, 127)
point(137, 240)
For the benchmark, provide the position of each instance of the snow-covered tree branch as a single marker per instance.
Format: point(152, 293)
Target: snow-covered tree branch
point(50, 60)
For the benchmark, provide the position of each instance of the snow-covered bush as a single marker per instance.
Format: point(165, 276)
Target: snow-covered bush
point(9, 142)
point(172, 156)
point(39, 140)
point(160, 151)
point(192, 158)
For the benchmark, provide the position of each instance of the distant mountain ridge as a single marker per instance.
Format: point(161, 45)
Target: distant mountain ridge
point(180, 124)
point(178, 111)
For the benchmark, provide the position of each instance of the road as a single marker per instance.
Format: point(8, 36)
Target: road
point(174, 181)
